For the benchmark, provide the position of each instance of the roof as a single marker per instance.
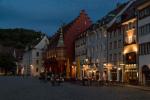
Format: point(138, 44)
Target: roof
point(55, 38)
point(35, 42)
point(130, 12)
point(107, 18)
point(68, 25)
point(141, 2)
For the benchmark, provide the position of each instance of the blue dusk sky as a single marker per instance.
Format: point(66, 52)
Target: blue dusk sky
point(47, 15)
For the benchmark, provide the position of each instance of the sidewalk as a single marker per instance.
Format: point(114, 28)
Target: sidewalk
point(145, 88)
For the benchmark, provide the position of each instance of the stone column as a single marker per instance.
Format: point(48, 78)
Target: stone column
point(109, 75)
point(123, 73)
point(118, 75)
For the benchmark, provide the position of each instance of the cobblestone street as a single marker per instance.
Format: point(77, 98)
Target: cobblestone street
point(18, 88)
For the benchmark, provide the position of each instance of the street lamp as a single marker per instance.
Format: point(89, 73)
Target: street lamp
point(86, 60)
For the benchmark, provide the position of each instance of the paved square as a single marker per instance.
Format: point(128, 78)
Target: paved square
point(18, 88)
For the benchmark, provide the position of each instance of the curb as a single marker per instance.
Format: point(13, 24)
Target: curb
point(136, 87)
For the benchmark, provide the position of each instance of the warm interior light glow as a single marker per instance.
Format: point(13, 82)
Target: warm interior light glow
point(129, 21)
point(130, 48)
point(122, 64)
point(135, 49)
point(31, 66)
point(130, 36)
point(119, 68)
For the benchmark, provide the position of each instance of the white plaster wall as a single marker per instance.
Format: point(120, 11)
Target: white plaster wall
point(142, 22)
point(30, 57)
point(143, 59)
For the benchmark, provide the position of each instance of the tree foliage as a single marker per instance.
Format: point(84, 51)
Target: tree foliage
point(7, 62)
point(15, 38)
point(18, 38)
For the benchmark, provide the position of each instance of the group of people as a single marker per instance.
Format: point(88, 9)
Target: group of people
point(55, 79)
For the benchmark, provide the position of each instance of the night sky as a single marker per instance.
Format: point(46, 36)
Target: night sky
point(47, 15)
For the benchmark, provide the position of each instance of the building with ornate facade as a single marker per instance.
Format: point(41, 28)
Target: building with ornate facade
point(55, 55)
point(70, 32)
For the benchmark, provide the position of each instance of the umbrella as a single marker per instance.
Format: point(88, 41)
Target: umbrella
point(68, 69)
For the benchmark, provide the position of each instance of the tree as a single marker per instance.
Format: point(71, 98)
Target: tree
point(18, 38)
point(7, 62)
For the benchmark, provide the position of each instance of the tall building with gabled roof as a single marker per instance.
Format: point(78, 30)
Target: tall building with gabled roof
point(72, 30)
point(62, 44)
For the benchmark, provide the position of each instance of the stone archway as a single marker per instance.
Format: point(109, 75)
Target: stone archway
point(145, 75)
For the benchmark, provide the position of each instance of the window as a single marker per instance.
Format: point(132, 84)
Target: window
point(37, 54)
point(110, 35)
point(148, 48)
point(110, 45)
point(144, 30)
point(37, 62)
point(119, 44)
point(119, 32)
point(115, 57)
point(110, 57)
point(139, 49)
point(130, 58)
point(119, 56)
point(144, 48)
point(115, 44)
point(144, 13)
point(115, 33)
point(130, 25)
point(37, 69)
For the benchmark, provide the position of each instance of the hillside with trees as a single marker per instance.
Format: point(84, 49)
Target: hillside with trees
point(15, 39)
point(18, 38)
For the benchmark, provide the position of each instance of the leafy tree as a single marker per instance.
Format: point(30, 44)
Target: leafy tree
point(18, 38)
point(7, 62)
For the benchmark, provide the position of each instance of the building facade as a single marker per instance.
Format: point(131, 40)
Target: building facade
point(55, 55)
point(144, 41)
point(32, 58)
point(130, 51)
point(115, 48)
point(96, 48)
point(71, 32)
point(80, 47)
point(115, 43)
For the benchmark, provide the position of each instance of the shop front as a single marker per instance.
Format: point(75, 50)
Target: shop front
point(131, 68)
point(146, 75)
